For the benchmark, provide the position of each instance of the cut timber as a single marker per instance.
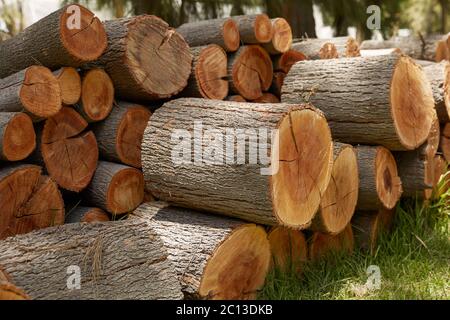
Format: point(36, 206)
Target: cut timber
point(254, 29)
point(339, 200)
point(209, 74)
point(250, 72)
point(282, 37)
point(87, 215)
point(347, 47)
point(119, 137)
point(323, 245)
point(214, 257)
point(379, 183)
point(435, 48)
point(289, 249)
point(316, 49)
point(116, 188)
point(445, 142)
point(70, 153)
point(97, 96)
point(146, 59)
point(55, 41)
point(222, 32)
point(17, 136)
point(379, 52)
point(284, 186)
point(284, 62)
point(70, 83)
point(267, 98)
point(277, 83)
point(8, 291)
point(122, 260)
point(34, 90)
point(439, 76)
point(29, 201)
point(235, 98)
point(395, 109)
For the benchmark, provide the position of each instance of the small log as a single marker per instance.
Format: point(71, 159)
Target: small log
point(86, 215)
point(222, 32)
point(214, 257)
point(34, 90)
point(347, 47)
point(267, 98)
point(70, 83)
point(17, 136)
point(284, 62)
point(379, 52)
point(283, 188)
point(435, 48)
point(254, 29)
point(235, 98)
point(289, 249)
point(119, 137)
point(444, 145)
point(277, 83)
point(439, 76)
point(322, 245)
point(316, 49)
point(282, 37)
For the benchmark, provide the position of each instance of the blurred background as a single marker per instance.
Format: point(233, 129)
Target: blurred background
point(312, 18)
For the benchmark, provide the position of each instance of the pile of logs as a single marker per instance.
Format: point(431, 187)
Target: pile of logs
point(121, 153)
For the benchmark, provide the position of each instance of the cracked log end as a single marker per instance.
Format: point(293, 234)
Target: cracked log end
point(211, 72)
point(19, 138)
point(97, 95)
point(388, 183)
point(86, 43)
point(289, 249)
point(282, 37)
point(323, 245)
point(70, 82)
point(231, 36)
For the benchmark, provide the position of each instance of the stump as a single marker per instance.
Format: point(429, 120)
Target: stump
point(289, 250)
point(86, 215)
point(316, 49)
point(70, 83)
point(254, 29)
point(282, 37)
point(17, 136)
point(323, 245)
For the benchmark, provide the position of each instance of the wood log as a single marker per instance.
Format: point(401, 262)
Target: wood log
point(322, 245)
point(316, 49)
point(379, 52)
point(375, 113)
point(277, 83)
point(214, 257)
point(33, 90)
point(284, 62)
point(250, 72)
point(444, 145)
point(17, 136)
point(379, 183)
point(86, 215)
point(289, 250)
point(282, 37)
point(347, 47)
point(254, 29)
point(70, 83)
point(260, 191)
point(439, 76)
point(115, 188)
point(235, 98)
point(209, 74)
point(339, 200)
point(55, 41)
point(8, 291)
point(267, 98)
point(435, 48)
point(146, 59)
point(222, 32)
point(29, 201)
point(441, 183)
point(97, 96)
point(119, 260)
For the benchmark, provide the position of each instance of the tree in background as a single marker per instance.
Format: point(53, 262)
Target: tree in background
point(12, 16)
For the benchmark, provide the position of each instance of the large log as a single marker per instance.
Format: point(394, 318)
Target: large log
point(33, 90)
point(55, 41)
point(439, 76)
point(223, 32)
point(17, 136)
point(284, 62)
point(86, 214)
point(444, 145)
point(395, 109)
point(120, 260)
point(70, 83)
point(289, 249)
point(254, 29)
point(29, 201)
point(214, 257)
point(283, 185)
point(282, 37)
point(316, 49)
point(322, 245)
point(8, 291)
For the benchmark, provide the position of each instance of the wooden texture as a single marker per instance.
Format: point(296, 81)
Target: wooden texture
point(316, 49)
point(86, 214)
point(254, 29)
point(267, 98)
point(284, 62)
point(289, 250)
point(444, 145)
point(322, 245)
point(282, 37)
point(439, 76)
point(17, 136)
point(70, 83)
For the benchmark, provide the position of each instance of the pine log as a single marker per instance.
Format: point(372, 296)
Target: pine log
point(444, 145)
point(222, 32)
point(439, 76)
point(289, 250)
point(282, 37)
point(117, 261)
point(395, 109)
point(284, 62)
point(119, 137)
point(17, 136)
point(29, 201)
point(86, 215)
point(338, 203)
point(254, 29)
point(322, 245)
point(214, 257)
point(209, 74)
point(235, 181)
point(267, 98)
point(316, 49)
point(235, 98)
point(277, 83)
point(250, 72)
point(33, 90)
point(115, 188)
point(70, 83)
point(145, 58)
point(379, 52)
point(55, 41)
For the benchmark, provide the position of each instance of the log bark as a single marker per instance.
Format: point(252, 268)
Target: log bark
point(435, 48)
point(55, 41)
point(316, 49)
point(17, 136)
point(33, 90)
point(8, 291)
point(70, 83)
point(282, 37)
point(289, 250)
point(222, 32)
point(322, 245)
point(347, 47)
point(284, 62)
point(214, 257)
point(379, 52)
point(267, 98)
point(256, 189)
point(120, 260)
point(395, 109)
point(444, 145)
point(254, 29)
point(86, 215)
point(439, 76)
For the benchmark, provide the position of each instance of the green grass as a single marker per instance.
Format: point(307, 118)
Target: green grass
point(414, 260)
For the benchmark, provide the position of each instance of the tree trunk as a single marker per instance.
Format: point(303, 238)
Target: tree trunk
point(439, 76)
point(214, 257)
point(267, 98)
point(55, 41)
point(386, 110)
point(282, 37)
point(258, 190)
point(289, 250)
point(17, 136)
point(70, 83)
point(316, 49)
point(444, 145)
point(322, 245)
point(284, 62)
point(254, 29)
point(86, 215)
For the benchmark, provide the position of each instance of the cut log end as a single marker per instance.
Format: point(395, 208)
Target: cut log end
point(87, 215)
point(70, 83)
point(388, 183)
point(447, 90)
point(323, 245)
point(19, 138)
point(267, 98)
point(289, 249)
point(10, 292)
point(97, 95)
point(211, 72)
point(263, 28)
point(442, 51)
point(282, 37)
point(231, 36)
point(236, 98)
point(238, 267)
point(352, 48)
point(368, 226)
point(328, 51)
point(284, 62)
point(125, 191)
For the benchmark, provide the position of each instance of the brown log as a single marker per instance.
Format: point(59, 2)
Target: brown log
point(235, 98)
point(379, 52)
point(8, 291)
point(34, 90)
point(435, 48)
point(339, 200)
point(267, 98)
point(209, 74)
point(115, 188)
point(214, 257)
point(282, 37)
point(254, 29)
point(146, 59)
point(119, 137)
point(284, 62)
point(316, 49)
point(277, 83)
point(347, 47)
point(285, 189)
point(250, 72)
point(323, 245)
point(222, 32)
point(70, 83)
point(441, 183)
point(17, 136)
point(289, 249)
point(444, 145)
point(29, 201)
point(387, 110)
point(86, 215)
point(439, 76)
point(55, 41)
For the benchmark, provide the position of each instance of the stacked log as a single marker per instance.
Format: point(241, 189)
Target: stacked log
point(444, 144)
point(255, 29)
point(322, 245)
point(289, 249)
point(9, 291)
point(316, 49)
point(17, 136)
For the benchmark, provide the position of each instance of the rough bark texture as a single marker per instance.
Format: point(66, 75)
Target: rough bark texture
point(254, 29)
point(439, 76)
point(17, 136)
point(316, 49)
point(86, 214)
